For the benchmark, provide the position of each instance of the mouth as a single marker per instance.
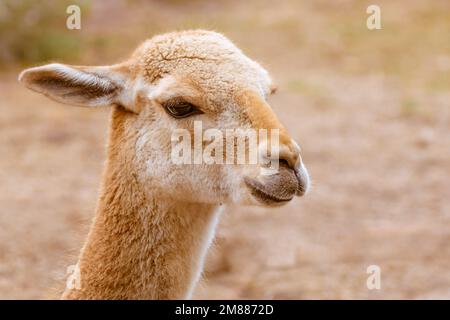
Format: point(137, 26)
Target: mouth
point(258, 192)
point(276, 189)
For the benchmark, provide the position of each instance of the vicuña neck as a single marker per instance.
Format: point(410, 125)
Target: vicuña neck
point(141, 245)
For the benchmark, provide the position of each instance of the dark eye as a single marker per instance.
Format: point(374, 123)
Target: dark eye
point(180, 109)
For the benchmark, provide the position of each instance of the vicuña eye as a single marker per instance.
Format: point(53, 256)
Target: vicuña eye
point(181, 109)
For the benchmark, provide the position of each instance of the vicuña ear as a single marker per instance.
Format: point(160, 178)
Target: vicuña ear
point(81, 86)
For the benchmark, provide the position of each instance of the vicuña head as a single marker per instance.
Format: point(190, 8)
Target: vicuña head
point(155, 218)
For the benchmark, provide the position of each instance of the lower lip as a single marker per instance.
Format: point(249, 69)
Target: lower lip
point(264, 197)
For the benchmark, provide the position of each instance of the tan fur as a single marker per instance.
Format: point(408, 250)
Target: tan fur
point(154, 219)
point(139, 247)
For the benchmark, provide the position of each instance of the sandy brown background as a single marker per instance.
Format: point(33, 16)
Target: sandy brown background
point(371, 110)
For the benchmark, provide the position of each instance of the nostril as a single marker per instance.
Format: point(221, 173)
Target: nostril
point(288, 156)
point(283, 162)
point(284, 155)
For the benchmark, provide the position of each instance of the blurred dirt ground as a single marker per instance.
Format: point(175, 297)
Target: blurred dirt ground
point(371, 110)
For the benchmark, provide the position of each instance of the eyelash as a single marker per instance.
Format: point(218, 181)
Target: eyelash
point(180, 109)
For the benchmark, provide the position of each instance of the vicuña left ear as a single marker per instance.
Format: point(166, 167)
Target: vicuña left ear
point(80, 86)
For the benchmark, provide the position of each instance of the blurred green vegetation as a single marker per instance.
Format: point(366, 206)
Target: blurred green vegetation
point(35, 31)
point(320, 35)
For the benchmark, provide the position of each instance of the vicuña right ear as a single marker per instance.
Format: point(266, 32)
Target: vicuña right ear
point(75, 85)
